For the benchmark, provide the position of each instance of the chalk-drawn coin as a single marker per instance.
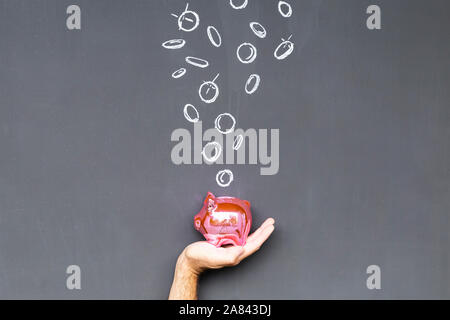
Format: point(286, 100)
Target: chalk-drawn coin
point(179, 73)
point(174, 44)
point(285, 9)
point(224, 178)
point(284, 49)
point(209, 91)
point(258, 29)
point(188, 20)
point(238, 4)
point(188, 107)
point(214, 36)
point(219, 123)
point(201, 63)
point(238, 142)
point(246, 52)
point(252, 83)
point(211, 151)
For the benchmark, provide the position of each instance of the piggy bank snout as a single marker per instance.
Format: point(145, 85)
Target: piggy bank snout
point(197, 223)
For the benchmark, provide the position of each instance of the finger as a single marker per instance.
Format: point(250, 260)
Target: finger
point(268, 222)
point(254, 245)
point(256, 234)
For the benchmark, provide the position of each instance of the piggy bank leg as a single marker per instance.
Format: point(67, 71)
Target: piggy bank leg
point(221, 240)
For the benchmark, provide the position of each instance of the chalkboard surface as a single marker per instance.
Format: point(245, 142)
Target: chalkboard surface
point(87, 177)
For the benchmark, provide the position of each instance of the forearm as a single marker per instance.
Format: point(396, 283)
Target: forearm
point(184, 286)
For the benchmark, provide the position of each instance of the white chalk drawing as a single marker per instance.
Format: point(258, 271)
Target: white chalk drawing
point(285, 9)
point(174, 44)
point(249, 48)
point(284, 49)
point(238, 6)
point(218, 125)
point(201, 63)
point(209, 91)
point(214, 36)
point(221, 180)
point(211, 151)
point(178, 73)
point(186, 113)
point(249, 87)
point(188, 20)
point(238, 141)
point(258, 29)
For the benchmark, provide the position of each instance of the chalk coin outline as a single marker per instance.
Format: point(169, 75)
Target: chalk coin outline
point(219, 127)
point(211, 85)
point(220, 180)
point(183, 16)
point(252, 55)
point(281, 56)
point(197, 62)
point(238, 7)
point(217, 151)
point(285, 14)
point(211, 31)
point(238, 141)
point(174, 44)
point(255, 85)
point(261, 33)
point(186, 113)
point(178, 73)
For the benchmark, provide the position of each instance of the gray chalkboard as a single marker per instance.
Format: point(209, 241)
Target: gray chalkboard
point(86, 175)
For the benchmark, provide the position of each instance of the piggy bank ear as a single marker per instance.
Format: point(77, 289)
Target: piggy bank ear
point(211, 205)
point(247, 203)
point(209, 201)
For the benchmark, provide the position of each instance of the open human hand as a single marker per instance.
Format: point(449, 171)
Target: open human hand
point(202, 255)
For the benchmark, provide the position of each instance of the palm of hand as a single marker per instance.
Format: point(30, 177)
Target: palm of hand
point(203, 255)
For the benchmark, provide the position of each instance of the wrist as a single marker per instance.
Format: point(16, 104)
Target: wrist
point(184, 286)
point(186, 266)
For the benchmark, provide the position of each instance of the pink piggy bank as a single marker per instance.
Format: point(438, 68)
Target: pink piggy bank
point(224, 220)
